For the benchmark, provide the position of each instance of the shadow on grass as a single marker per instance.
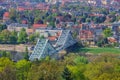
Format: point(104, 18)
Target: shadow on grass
point(77, 48)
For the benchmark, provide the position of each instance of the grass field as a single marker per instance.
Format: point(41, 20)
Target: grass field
point(100, 50)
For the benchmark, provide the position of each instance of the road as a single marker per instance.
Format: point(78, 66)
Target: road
point(18, 48)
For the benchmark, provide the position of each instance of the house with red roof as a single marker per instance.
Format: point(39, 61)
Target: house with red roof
point(20, 8)
point(40, 26)
point(87, 37)
point(52, 38)
point(112, 40)
point(42, 6)
point(24, 21)
point(28, 6)
point(6, 16)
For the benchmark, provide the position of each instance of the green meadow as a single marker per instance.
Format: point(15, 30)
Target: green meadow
point(100, 50)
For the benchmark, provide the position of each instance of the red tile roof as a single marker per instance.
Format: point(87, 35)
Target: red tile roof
point(52, 38)
point(95, 15)
point(86, 34)
point(24, 21)
point(6, 14)
point(35, 26)
point(112, 40)
point(59, 17)
point(21, 9)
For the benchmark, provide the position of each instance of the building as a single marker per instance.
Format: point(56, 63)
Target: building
point(39, 26)
point(6, 16)
point(29, 31)
point(16, 26)
point(87, 37)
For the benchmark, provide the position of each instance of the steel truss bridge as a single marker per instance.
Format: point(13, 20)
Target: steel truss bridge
point(44, 48)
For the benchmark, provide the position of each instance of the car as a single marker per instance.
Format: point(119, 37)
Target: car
point(32, 48)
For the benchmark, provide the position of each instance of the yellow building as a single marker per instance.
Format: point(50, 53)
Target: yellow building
point(104, 2)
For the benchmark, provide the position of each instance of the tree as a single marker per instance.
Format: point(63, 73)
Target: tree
point(13, 14)
point(7, 69)
point(26, 56)
point(9, 73)
point(22, 67)
point(99, 43)
point(102, 42)
point(103, 67)
point(46, 70)
point(67, 17)
point(4, 62)
point(13, 37)
point(2, 11)
point(118, 18)
point(22, 38)
point(49, 18)
point(5, 36)
point(95, 19)
point(8, 37)
point(75, 34)
point(5, 54)
point(2, 27)
point(38, 20)
point(107, 32)
point(32, 38)
point(52, 24)
point(88, 19)
point(77, 71)
point(67, 74)
point(80, 59)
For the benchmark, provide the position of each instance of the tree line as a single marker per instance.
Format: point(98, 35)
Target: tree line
point(71, 67)
point(13, 37)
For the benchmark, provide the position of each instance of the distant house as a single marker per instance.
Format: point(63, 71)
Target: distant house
point(59, 26)
point(112, 40)
point(42, 6)
point(17, 27)
point(52, 38)
point(87, 37)
point(24, 21)
point(65, 25)
point(29, 31)
point(6, 16)
point(69, 24)
point(34, 6)
point(39, 26)
point(20, 9)
point(96, 14)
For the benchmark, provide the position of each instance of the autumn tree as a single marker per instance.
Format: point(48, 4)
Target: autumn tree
point(46, 70)
point(7, 69)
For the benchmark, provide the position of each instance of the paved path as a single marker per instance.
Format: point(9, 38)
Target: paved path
point(18, 48)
